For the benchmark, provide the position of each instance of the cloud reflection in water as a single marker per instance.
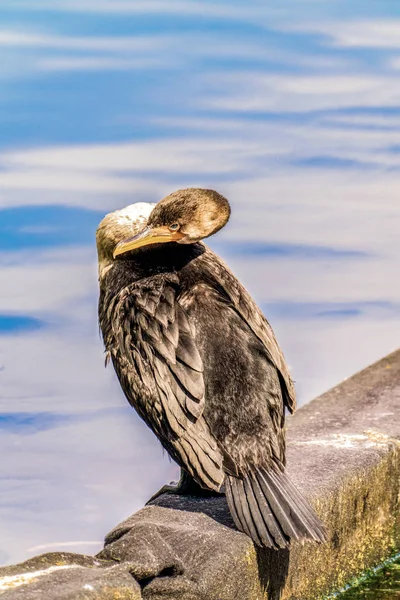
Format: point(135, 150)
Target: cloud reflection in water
point(292, 112)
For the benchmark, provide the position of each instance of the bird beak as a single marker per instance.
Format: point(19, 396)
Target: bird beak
point(149, 235)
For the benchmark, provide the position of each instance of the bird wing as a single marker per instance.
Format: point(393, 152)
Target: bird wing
point(153, 335)
point(152, 345)
point(221, 278)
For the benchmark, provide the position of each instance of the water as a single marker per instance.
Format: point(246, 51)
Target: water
point(384, 585)
point(289, 109)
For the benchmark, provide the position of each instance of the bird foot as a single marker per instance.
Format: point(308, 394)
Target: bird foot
point(186, 486)
point(172, 488)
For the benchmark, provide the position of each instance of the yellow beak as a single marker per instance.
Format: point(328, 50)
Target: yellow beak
point(146, 237)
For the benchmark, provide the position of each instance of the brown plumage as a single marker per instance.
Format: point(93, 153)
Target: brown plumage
point(199, 362)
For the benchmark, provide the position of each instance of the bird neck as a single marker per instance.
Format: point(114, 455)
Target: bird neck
point(151, 260)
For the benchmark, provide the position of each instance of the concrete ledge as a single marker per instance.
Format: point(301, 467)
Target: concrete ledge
point(343, 452)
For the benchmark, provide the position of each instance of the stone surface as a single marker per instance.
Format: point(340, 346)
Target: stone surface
point(186, 548)
point(68, 576)
point(343, 452)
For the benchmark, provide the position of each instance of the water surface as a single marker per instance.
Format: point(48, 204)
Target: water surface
point(291, 110)
point(384, 585)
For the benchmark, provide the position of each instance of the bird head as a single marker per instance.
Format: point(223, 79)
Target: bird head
point(118, 226)
point(185, 217)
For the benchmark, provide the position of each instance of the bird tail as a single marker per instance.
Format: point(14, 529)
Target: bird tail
point(267, 507)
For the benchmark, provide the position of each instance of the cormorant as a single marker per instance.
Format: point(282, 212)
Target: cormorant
point(199, 362)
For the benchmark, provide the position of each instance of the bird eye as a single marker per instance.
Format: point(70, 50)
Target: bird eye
point(174, 227)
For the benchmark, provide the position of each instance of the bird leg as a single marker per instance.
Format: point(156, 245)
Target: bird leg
point(186, 486)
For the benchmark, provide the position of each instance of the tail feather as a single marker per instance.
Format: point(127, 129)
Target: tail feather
point(256, 505)
point(267, 507)
point(304, 513)
point(245, 511)
point(232, 499)
point(277, 506)
point(282, 502)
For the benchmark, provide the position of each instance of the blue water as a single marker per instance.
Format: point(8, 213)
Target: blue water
point(291, 110)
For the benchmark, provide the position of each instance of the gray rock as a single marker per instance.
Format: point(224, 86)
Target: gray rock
point(68, 576)
point(186, 548)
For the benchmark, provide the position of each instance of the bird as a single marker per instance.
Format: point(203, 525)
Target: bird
point(200, 363)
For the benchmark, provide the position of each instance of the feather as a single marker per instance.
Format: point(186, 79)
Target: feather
point(188, 354)
point(271, 510)
point(171, 332)
point(230, 289)
point(190, 380)
point(154, 340)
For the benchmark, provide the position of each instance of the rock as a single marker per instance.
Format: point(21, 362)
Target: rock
point(68, 576)
point(344, 453)
point(186, 548)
